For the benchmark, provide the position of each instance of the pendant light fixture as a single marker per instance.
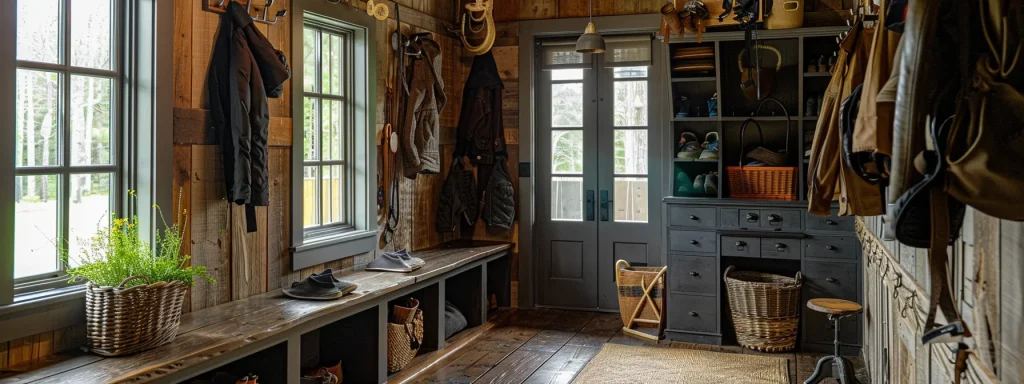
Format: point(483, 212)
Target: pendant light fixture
point(590, 41)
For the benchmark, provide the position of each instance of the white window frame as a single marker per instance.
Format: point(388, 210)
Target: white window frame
point(143, 109)
point(357, 234)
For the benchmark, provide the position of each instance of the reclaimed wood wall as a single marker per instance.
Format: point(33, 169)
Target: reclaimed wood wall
point(987, 271)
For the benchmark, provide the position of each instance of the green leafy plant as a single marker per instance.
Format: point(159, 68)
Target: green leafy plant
point(117, 252)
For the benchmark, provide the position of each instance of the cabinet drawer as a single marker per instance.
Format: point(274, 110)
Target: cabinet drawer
point(741, 246)
point(693, 274)
point(692, 241)
point(780, 219)
point(684, 216)
point(749, 219)
point(830, 279)
point(832, 247)
point(818, 328)
point(829, 223)
point(780, 248)
point(693, 313)
point(730, 218)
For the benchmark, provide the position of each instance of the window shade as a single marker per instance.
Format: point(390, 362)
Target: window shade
point(561, 54)
point(627, 51)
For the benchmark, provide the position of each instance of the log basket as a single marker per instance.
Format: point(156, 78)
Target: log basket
point(765, 309)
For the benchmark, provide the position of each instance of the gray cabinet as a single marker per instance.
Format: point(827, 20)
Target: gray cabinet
point(700, 234)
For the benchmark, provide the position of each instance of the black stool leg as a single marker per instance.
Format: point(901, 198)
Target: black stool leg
point(820, 372)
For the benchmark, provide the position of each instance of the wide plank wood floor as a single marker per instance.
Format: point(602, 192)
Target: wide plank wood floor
point(552, 346)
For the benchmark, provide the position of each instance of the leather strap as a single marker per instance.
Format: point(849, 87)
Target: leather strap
point(938, 260)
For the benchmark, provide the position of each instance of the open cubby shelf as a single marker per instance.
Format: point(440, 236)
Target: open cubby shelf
point(794, 84)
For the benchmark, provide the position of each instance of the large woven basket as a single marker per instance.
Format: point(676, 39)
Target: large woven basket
point(765, 309)
point(121, 321)
point(404, 341)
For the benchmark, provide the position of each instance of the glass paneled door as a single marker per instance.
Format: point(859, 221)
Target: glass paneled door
point(593, 177)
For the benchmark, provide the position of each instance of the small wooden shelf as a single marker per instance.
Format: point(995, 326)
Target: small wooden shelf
point(817, 74)
point(678, 160)
point(758, 118)
point(693, 79)
point(810, 118)
point(694, 119)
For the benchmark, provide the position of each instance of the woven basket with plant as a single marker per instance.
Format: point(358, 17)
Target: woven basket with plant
point(135, 291)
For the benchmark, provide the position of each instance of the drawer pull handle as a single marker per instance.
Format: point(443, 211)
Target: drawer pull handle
point(752, 217)
point(694, 273)
point(830, 222)
point(780, 246)
point(693, 242)
point(829, 279)
point(692, 313)
point(741, 243)
point(830, 247)
point(694, 218)
point(773, 218)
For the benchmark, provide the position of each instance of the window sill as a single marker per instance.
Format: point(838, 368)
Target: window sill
point(329, 248)
point(42, 311)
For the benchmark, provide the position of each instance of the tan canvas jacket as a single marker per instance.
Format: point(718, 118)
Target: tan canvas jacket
point(826, 170)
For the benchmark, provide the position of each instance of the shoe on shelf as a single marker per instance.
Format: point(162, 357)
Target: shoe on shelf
point(711, 184)
point(698, 183)
point(710, 147)
point(323, 375)
point(399, 261)
point(689, 148)
point(320, 286)
point(250, 379)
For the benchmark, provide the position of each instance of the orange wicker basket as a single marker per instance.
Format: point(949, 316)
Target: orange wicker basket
point(762, 182)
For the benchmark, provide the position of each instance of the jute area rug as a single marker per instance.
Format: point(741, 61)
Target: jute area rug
point(631, 364)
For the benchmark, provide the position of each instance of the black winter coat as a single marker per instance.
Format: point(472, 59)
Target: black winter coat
point(481, 136)
point(245, 70)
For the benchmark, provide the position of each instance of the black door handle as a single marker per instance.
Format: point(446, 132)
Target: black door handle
point(590, 205)
point(605, 202)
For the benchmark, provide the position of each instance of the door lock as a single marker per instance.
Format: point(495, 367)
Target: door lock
point(590, 205)
point(605, 205)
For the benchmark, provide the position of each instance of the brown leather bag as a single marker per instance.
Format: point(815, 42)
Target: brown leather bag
point(759, 82)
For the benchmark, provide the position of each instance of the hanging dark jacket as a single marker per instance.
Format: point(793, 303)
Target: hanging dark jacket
point(245, 70)
point(480, 134)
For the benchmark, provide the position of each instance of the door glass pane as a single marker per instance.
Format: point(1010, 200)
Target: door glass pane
point(91, 34)
point(38, 117)
point(567, 105)
point(309, 40)
point(310, 175)
point(90, 120)
point(330, 64)
point(567, 198)
point(35, 225)
point(89, 212)
point(630, 151)
point(331, 129)
point(310, 133)
point(39, 30)
point(630, 72)
point(567, 152)
point(631, 103)
point(567, 74)
point(631, 199)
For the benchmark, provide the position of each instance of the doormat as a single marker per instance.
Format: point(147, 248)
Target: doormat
point(630, 364)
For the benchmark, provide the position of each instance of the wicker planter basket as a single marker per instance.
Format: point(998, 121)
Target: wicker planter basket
point(765, 309)
point(121, 321)
point(641, 299)
point(404, 341)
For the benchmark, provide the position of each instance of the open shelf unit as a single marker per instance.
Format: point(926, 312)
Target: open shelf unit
point(793, 86)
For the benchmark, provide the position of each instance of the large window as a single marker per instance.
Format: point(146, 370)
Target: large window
point(328, 129)
point(67, 141)
point(333, 107)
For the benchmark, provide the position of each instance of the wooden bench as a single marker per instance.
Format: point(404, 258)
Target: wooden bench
point(273, 333)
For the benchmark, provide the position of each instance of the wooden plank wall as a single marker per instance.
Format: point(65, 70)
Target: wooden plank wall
point(988, 271)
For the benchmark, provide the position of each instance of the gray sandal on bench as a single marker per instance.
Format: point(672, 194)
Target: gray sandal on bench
point(320, 286)
point(399, 261)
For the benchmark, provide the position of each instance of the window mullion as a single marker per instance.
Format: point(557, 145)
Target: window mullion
point(64, 180)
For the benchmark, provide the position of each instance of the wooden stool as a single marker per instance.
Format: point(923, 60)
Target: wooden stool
point(842, 369)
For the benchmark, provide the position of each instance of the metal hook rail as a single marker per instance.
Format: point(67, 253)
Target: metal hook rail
point(262, 16)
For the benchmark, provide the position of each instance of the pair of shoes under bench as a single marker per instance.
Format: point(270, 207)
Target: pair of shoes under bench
point(320, 286)
point(400, 261)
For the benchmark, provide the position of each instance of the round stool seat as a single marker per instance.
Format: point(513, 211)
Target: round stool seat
point(838, 307)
